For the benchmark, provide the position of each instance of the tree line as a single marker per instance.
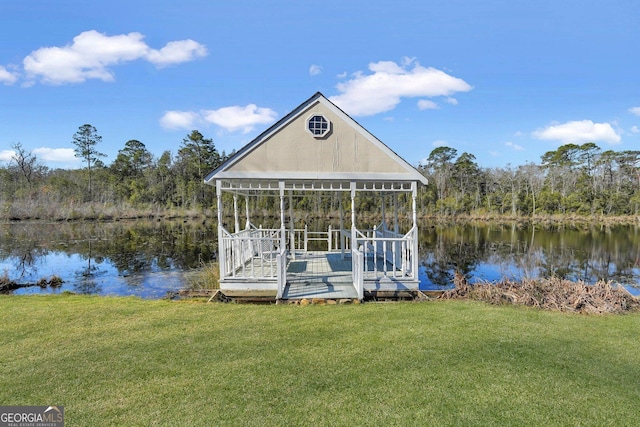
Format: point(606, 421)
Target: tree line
point(573, 179)
point(136, 179)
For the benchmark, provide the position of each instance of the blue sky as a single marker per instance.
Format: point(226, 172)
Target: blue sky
point(503, 80)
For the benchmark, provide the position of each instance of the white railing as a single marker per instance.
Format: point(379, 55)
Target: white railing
point(295, 238)
point(328, 236)
point(389, 254)
point(358, 264)
point(299, 238)
point(257, 253)
point(346, 235)
point(250, 253)
point(393, 249)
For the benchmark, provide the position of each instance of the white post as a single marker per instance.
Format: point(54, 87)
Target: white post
point(374, 243)
point(358, 273)
point(235, 214)
point(247, 224)
point(221, 252)
point(397, 248)
point(283, 240)
point(306, 237)
point(396, 228)
point(280, 277)
point(414, 216)
point(329, 239)
point(384, 214)
point(341, 225)
point(414, 196)
point(292, 235)
point(357, 259)
point(354, 244)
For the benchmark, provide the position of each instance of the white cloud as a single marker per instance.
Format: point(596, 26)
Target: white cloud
point(56, 155)
point(452, 101)
point(176, 52)
point(7, 77)
point(384, 88)
point(440, 143)
point(6, 155)
point(425, 104)
point(635, 110)
point(315, 70)
point(92, 53)
point(65, 157)
point(232, 119)
point(240, 118)
point(579, 132)
point(514, 146)
point(179, 120)
point(635, 129)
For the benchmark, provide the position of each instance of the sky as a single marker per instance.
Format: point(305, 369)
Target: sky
point(504, 80)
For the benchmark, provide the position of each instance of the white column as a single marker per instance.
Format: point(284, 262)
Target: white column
point(384, 213)
point(236, 222)
point(414, 196)
point(283, 241)
point(221, 251)
point(396, 228)
point(341, 236)
point(414, 216)
point(247, 224)
point(292, 235)
point(353, 215)
point(219, 201)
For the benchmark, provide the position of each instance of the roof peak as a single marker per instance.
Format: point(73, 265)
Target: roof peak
point(288, 149)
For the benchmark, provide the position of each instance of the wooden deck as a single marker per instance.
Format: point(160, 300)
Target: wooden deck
point(315, 275)
point(319, 275)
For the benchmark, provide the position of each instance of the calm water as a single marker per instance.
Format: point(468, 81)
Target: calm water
point(148, 259)
point(493, 252)
point(141, 258)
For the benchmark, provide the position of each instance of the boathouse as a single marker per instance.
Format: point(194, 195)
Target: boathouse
point(317, 147)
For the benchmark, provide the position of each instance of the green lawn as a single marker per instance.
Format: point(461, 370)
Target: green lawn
point(130, 362)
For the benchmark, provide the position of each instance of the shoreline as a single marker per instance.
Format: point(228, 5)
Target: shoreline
point(432, 220)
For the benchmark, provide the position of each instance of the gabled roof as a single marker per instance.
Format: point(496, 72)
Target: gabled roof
point(288, 151)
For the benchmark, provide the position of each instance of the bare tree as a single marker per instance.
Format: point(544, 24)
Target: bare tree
point(26, 162)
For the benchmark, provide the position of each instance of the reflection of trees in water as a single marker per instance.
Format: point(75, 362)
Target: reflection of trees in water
point(454, 250)
point(139, 246)
point(22, 243)
point(131, 246)
point(92, 270)
point(87, 285)
point(590, 255)
point(160, 246)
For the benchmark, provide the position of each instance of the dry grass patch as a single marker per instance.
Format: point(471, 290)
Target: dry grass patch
point(550, 294)
point(206, 278)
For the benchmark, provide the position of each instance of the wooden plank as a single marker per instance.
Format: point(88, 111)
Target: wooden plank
point(319, 275)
